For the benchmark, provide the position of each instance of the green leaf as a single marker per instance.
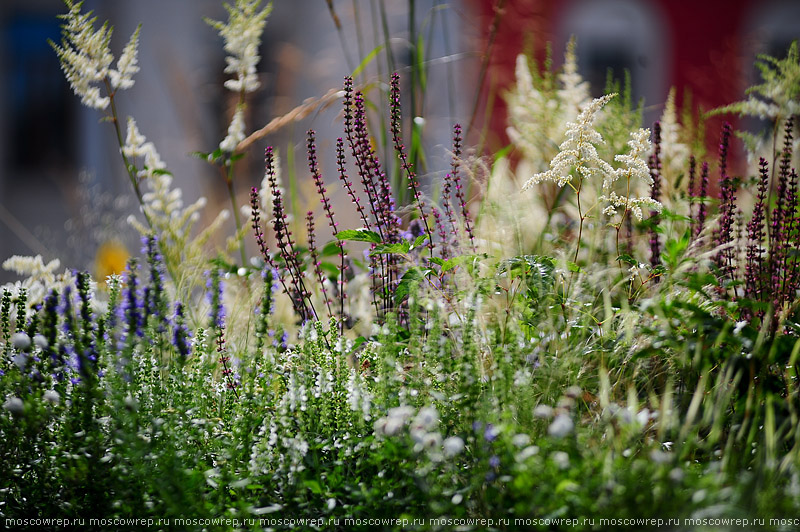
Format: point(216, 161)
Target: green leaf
point(366, 61)
point(330, 249)
point(411, 277)
point(627, 259)
point(314, 486)
point(455, 261)
point(420, 239)
point(397, 247)
point(359, 235)
point(573, 267)
point(436, 260)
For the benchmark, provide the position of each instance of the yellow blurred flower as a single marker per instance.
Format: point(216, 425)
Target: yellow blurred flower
point(111, 258)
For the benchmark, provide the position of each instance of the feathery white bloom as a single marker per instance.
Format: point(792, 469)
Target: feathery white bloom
point(426, 418)
point(674, 153)
point(452, 446)
point(561, 426)
point(21, 341)
point(235, 131)
point(574, 94)
point(578, 150)
point(14, 405)
point(633, 166)
point(85, 57)
point(242, 36)
point(127, 65)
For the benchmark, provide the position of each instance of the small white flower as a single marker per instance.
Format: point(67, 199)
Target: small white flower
point(561, 426)
point(235, 132)
point(14, 405)
point(242, 36)
point(40, 341)
point(452, 446)
point(543, 411)
point(520, 440)
point(127, 65)
point(426, 418)
point(51, 396)
point(577, 151)
point(21, 341)
point(561, 459)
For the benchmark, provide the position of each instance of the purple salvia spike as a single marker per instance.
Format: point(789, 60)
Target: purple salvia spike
point(459, 189)
point(312, 249)
point(655, 192)
point(691, 191)
point(754, 262)
point(394, 104)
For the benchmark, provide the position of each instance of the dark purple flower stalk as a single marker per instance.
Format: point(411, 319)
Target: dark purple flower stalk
point(754, 262)
point(725, 258)
point(437, 216)
point(793, 234)
point(285, 243)
point(348, 185)
point(312, 250)
point(413, 185)
point(259, 234)
point(790, 212)
point(459, 189)
point(654, 163)
point(180, 334)
point(778, 234)
point(691, 190)
point(131, 311)
point(224, 360)
point(355, 128)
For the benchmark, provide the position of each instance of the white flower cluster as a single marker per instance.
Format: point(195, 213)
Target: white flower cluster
point(578, 150)
point(633, 166)
point(39, 277)
point(86, 58)
point(421, 429)
point(136, 146)
point(538, 114)
point(242, 35)
point(235, 132)
point(674, 153)
point(162, 203)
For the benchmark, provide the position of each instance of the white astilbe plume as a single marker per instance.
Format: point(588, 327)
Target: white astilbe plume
point(162, 203)
point(633, 166)
point(674, 153)
point(235, 131)
point(86, 59)
point(574, 94)
point(127, 65)
point(242, 35)
point(578, 150)
point(538, 112)
point(137, 147)
point(84, 54)
point(40, 278)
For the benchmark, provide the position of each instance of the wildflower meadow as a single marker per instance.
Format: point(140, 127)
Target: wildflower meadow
point(597, 328)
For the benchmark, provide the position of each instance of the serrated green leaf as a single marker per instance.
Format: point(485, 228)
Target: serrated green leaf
point(420, 239)
point(397, 247)
point(359, 235)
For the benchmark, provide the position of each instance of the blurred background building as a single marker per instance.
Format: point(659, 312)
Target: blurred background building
point(63, 191)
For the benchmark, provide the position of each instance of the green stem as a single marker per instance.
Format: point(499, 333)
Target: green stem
point(236, 219)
